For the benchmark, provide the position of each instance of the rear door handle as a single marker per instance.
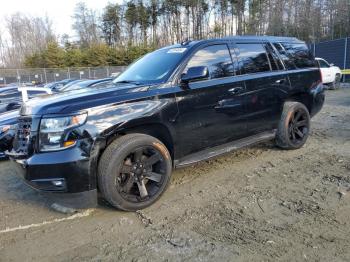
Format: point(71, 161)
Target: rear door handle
point(236, 90)
point(281, 81)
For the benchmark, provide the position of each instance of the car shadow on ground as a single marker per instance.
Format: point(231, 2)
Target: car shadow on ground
point(13, 188)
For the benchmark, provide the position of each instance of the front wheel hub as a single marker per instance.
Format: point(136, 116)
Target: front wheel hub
point(144, 170)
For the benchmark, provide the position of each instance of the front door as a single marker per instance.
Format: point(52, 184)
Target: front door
point(326, 71)
point(211, 111)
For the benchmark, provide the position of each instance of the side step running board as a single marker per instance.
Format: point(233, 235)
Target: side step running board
point(223, 149)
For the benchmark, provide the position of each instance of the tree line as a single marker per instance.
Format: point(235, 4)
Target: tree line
point(120, 33)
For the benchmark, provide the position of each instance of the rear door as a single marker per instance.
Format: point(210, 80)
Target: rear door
point(265, 81)
point(303, 71)
point(211, 111)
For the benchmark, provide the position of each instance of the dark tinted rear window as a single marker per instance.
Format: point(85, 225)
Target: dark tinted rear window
point(275, 61)
point(299, 55)
point(289, 64)
point(252, 58)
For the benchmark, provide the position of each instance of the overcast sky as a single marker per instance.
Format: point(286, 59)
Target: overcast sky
point(60, 11)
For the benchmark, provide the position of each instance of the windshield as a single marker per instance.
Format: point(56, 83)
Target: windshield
point(63, 87)
point(154, 67)
point(86, 84)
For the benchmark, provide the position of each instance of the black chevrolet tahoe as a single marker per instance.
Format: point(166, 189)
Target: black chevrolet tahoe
point(172, 108)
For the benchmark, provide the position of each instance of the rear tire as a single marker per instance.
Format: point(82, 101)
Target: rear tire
point(134, 171)
point(294, 126)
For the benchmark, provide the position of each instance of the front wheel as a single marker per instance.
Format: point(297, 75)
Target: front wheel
point(336, 84)
point(134, 171)
point(294, 126)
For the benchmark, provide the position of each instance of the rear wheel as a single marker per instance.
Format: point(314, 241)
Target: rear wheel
point(134, 171)
point(294, 126)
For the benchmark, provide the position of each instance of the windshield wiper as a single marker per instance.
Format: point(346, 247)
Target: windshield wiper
point(128, 82)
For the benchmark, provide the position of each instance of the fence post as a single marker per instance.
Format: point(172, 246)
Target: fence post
point(45, 75)
point(89, 72)
point(345, 56)
point(68, 73)
point(107, 71)
point(18, 77)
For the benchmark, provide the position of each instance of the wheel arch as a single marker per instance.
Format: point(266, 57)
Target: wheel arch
point(157, 130)
point(303, 98)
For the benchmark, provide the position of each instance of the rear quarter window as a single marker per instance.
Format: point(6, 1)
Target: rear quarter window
point(299, 55)
point(275, 61)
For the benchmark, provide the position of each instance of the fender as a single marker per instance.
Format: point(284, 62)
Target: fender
point(106, 122)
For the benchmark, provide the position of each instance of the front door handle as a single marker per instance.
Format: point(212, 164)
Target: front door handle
point(236, 90)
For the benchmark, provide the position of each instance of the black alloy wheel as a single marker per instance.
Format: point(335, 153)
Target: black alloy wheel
point(141, 174)
point(294, 126)
point(298, 126)
point(134, 171)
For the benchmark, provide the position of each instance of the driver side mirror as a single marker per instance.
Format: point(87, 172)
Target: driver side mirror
point(195, 73)
point(55, 88)
point(331, 64)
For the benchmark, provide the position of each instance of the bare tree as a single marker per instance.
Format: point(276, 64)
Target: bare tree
point(146, 24)
point(27, 35)
point(86, 25)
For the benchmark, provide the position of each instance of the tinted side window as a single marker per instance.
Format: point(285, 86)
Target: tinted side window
point(299, 54)
point(216, 57)
point(285, 57)
point(275, 61)
point(323, 64)
point(35, 93)
point(10, 94)
point(252, 58)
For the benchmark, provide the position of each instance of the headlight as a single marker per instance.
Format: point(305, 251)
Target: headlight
point(54, 131)
point(4, 129)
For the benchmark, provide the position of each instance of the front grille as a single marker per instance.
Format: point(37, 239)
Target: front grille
point(22, 138)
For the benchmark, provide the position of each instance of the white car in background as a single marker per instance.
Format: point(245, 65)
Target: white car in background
point(331, 74)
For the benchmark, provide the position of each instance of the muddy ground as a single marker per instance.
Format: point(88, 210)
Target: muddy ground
point(257, 204)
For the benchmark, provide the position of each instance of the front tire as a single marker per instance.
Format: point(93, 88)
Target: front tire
point(336, 84)
point(294, 126)
point(134, 171)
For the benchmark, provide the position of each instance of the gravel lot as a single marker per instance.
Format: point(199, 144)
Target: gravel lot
point(257, 204)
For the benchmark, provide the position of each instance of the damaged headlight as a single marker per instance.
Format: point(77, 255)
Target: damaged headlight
point(4, 129)
point(54, 132)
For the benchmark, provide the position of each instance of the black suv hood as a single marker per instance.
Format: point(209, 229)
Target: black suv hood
point(73, 101)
